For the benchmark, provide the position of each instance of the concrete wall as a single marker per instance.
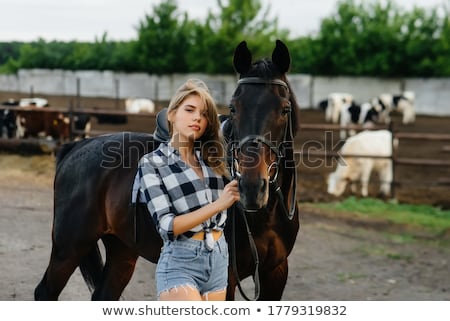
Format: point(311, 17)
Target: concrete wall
point(432, 94)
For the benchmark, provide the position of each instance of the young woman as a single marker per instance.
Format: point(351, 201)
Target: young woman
point(184, 184)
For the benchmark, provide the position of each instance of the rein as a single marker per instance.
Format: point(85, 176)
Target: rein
point(279, 151)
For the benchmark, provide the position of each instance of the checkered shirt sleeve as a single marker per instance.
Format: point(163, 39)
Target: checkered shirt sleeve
point(170, 188)
point(156, 197)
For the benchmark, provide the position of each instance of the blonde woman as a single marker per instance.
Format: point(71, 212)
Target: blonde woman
point(186, 187)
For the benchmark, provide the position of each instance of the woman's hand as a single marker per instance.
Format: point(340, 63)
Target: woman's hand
point(230, 194)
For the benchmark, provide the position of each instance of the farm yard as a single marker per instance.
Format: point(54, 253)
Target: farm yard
point(332, 260)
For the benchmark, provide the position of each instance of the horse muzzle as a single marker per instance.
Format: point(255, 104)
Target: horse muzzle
point(254, 193)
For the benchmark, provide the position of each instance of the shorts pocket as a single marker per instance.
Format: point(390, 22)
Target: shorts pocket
point(184, 254)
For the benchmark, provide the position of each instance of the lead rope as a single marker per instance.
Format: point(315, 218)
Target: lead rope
point(254, 254)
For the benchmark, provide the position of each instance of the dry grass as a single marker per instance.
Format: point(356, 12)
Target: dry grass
point(38, 169)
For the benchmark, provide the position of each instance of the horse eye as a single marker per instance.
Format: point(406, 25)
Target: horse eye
point(232, 109)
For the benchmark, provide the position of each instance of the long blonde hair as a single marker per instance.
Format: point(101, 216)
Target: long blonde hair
point(211, 142)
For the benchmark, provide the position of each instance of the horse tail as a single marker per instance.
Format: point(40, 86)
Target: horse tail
point(91, 267)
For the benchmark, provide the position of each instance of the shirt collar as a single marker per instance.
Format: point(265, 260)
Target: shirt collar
point(171, 151)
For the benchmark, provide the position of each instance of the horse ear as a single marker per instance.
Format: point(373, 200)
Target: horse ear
point(281, 57)
point(242, 60)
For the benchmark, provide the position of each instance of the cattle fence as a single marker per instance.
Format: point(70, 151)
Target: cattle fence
point(395, 158)
point(35, 145)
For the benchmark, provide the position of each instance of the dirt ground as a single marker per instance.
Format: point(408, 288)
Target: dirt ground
point(332, 260)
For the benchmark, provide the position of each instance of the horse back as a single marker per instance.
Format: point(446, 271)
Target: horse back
point(92, 191)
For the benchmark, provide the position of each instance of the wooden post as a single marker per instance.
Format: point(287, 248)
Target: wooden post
point(78, 94)
point(393, 158)
point(116, 86)
point(71, 124)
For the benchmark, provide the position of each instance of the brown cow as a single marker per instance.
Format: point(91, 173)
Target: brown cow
point(42, 124)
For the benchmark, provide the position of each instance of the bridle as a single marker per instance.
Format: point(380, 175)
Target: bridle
point(280, 153)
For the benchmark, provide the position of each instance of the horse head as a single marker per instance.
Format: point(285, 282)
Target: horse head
point(263, 122)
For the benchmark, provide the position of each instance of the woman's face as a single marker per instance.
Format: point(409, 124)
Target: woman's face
point(189, 121)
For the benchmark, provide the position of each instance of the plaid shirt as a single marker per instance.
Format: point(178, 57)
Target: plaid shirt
point(170, 187)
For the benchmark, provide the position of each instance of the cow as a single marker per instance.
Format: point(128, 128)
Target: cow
point(81, 123)
point(11, 102)
point(7, 123)
point(336, 101)
point(403, 103)
point(139, 105)
point(365, 115)
point(376, 143)
point(45, 124)
point(37, 102)
point(51, 125)
point(8, 118)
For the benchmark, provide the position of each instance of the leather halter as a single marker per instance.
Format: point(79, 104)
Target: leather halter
point(258, 80)
point(279, 151)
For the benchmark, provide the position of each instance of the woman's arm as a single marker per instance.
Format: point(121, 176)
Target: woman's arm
point(185, 222)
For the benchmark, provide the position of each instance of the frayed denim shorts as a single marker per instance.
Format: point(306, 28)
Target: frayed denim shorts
point(187, 262)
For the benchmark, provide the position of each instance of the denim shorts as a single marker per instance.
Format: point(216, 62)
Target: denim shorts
point(187, 262)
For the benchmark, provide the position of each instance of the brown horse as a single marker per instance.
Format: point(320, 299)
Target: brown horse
point(94, 178)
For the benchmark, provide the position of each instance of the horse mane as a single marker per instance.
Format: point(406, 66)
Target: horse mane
point(266, 69)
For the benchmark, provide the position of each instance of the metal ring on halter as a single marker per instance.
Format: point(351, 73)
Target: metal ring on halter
point(274, 164)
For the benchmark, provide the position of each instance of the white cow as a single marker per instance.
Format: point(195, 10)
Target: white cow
point(336, 101)
point(359, 169)
point(138, 105)
point(37, 102)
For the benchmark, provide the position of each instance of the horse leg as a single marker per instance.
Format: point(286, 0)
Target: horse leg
point(274, 282)
point(119, 267)
point(58, 272)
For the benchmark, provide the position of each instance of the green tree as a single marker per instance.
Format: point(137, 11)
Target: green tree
point(361, 38)
point(235, 21)
point(380, 39)
point(163, 40)
point(442, 46)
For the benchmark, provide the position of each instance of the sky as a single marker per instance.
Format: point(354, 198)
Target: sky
point(86, 20)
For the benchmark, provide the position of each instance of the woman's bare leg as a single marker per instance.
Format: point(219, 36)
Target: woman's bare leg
point(181, 293)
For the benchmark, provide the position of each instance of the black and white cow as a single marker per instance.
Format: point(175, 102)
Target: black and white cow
point(403, 103)
point(365, 115)
point(82, 123)
point(335, 103)
point(8, 118)
point(7, 123)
